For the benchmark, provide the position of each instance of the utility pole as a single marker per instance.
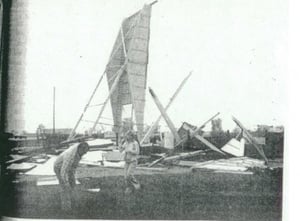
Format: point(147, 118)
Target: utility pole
point(53, 110)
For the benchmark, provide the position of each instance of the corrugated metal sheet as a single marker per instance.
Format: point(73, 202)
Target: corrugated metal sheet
point(134, 32)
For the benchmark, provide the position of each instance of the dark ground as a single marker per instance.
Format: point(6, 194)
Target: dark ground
point(192, 195)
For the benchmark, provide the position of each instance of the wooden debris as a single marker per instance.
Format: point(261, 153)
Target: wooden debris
point(277, 163)
point(50, 182)
point(41, 158)
point(183, 155)
point(235, 172)
point(231, 164)
point(193, 133)
point(210, 145)
point(166, 158)
point(186, 163)
point(157, 161)
point(159, 169)
point(92, 190)
point(217, 166)
point(196, 131)
point(17, 158)
point(75, 140)
point(28, 149)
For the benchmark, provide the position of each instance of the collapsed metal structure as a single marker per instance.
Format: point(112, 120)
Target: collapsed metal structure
point(126, 71)
point(126, 74)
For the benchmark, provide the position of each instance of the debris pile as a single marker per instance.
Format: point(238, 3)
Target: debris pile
point(231, 165)
point(104, 153)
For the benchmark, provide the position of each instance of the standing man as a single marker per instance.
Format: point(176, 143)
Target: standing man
point(65, 167)
point(132, 150)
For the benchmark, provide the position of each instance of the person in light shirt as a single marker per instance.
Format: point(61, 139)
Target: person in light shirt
point(131, 149)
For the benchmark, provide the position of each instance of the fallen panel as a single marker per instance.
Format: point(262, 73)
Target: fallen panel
point(21, 167)
point(120, 164)
point(44, 169)
point(235, 147)
point(113, 156)
point(92, 158)
point(99, 143)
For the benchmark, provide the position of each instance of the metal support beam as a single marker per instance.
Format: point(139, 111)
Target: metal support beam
point(250, 139)
point(85, 108)
point(207, 143)
point(123, 41)
point(112, 89)
point(154, 125)
point(165, 116)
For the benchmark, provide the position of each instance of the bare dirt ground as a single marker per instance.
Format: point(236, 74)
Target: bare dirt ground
point(176, 194)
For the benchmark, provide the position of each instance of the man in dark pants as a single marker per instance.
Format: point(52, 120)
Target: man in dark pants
point(65, 168)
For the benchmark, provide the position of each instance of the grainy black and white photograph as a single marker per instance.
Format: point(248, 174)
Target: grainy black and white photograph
point(143, 109)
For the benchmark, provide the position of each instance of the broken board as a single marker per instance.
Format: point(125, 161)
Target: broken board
point(50, 182)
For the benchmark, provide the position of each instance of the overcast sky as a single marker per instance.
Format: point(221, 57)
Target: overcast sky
point(236, 49)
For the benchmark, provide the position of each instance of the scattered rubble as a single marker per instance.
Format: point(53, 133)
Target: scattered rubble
point(240, 164)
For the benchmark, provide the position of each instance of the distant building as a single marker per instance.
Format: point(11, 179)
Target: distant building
point(58, 131)
point(109, 134)
point(260, 140)
point(277, 129)
point(271, 129)
point(262, 127)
